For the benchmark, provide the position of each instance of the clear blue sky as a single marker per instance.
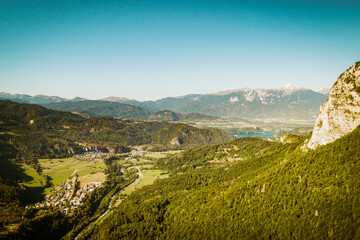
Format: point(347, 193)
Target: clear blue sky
point(153, 49)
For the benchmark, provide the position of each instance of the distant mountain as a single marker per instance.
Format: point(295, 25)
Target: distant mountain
point(290, 102)
point(37, 99)
point(101, 108)
point(37, 131)
point(325, 91)
point(173, 117)
point(117, 99)
point(92, 108)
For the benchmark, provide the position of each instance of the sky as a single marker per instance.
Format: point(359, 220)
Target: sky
point(147, 50)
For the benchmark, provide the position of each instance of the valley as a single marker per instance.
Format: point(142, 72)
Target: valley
point(181, 175)
point(244, 126)
point(179, 120)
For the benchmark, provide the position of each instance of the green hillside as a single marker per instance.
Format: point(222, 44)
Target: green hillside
point(247, 188)
point(38, 131)
point(30, 132)
point(170, 116)
point(274, 191)
point(101, 108)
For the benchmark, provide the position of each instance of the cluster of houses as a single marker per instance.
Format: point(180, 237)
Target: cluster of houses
point(92, 155)
point(69, 197)
point(133, 154)
point(81, 193)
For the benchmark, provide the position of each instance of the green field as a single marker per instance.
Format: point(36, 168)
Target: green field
point(162, 154)
point(93, 168)
point(148, 177)
point(60, 170)
point(32, 173)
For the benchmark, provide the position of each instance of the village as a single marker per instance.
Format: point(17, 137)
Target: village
point(68, 196)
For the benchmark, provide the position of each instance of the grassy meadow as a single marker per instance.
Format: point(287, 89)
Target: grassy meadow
point(60, 170)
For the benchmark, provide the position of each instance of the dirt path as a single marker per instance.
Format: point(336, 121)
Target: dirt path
point(133, 184)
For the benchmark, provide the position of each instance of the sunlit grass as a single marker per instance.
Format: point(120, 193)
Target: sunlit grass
point(148, 177)
point(28, 170)
point(95, 177)
point(60, 170)
point(162, 154)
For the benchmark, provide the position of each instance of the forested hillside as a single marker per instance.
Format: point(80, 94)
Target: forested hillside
point(174, 117)
point(274, 191)
point(102, 108)
point(29, 132)
point(38, 131)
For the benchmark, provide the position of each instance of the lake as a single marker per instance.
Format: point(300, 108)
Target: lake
point(261, 134)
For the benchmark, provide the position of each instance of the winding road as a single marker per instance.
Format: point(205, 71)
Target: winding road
point(133, 184)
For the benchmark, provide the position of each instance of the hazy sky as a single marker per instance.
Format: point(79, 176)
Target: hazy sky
point(153, 49)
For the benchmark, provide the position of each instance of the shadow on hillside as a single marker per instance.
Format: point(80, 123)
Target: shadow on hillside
point(13, 172)
point(31, 195)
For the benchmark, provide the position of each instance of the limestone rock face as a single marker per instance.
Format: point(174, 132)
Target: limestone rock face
point(340, 114)
point(176, 141)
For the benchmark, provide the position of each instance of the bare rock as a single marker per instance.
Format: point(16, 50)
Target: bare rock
point(340, 114)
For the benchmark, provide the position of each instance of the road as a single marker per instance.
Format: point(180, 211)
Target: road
point(133, 184)
point(82, 167)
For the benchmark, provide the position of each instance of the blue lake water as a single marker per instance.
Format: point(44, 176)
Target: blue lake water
point(262, 134)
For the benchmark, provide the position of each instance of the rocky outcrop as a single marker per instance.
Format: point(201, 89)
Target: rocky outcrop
point(176, 141)
point(340, 114)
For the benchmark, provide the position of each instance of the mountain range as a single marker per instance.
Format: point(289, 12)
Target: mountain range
point(39, 131)
point(226, 188)
point(289, 102)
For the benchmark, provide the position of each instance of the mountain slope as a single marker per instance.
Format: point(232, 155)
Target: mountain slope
point(35, 129)
point(275, 191)
point(37, 99)
point(285, 103)
point(102, 108)
point(174, 117)
point(249, 189)
point(29, 132)
point(290, 102)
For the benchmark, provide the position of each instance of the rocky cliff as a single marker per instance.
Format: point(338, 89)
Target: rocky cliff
point(340, 114)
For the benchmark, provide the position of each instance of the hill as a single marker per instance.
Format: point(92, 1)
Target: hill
point(91, 108)
point(29, 132)
point(23, 121)
point(246, 188)
point(273, 191)
point(102, 108)
point(174, 117)
point(253, 189)
point(37, 99)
